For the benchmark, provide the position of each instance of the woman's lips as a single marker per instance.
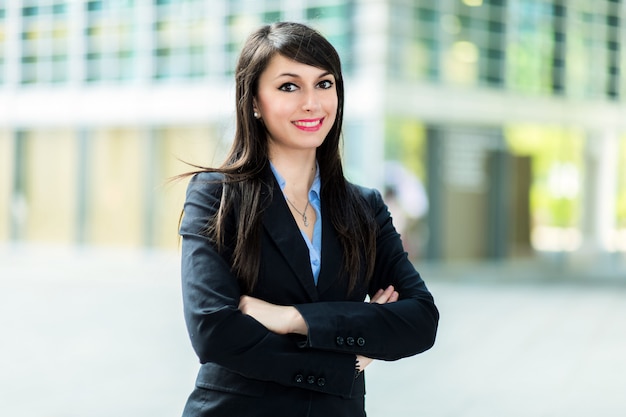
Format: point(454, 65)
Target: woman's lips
point(309, 125)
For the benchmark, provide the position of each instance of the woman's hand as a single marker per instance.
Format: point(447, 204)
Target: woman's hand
point(388, 295)
point(276, 318)
point(362, 362)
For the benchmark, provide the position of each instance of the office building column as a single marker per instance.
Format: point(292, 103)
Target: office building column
point(19, 201)
point(365, 104)
point(83, 152)
point(600, 183)
point(152, 177)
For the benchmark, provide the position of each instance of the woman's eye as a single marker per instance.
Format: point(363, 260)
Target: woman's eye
point(288, 87)
point(326, 84)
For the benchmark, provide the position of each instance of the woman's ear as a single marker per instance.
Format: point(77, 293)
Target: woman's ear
point(255, 106)
point(255, 109)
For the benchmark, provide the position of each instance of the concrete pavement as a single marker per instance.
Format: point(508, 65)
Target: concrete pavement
point(100, 333)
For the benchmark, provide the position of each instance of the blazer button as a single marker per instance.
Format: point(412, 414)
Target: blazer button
point(360, 341)
point(339, 340)
point(350, 341)
point(311, 379)
point(299, 378)
point(321, 382)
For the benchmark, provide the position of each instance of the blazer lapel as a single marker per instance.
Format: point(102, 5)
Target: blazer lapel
point(331, 269)
point(283, 230)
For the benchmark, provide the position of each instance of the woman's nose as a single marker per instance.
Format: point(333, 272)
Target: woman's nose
point(311, 101)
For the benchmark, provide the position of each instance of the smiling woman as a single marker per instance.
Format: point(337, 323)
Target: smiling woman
point(280, 251)
point(294, 95)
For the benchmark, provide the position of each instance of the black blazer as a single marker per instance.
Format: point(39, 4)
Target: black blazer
point(248, 370)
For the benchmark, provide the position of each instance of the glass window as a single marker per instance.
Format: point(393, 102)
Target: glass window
point(530, 47)
point(272, 16)
point(45, 43)
point(238, 26)
point(483, 25)
point(335, 23)
point(180, 39)
point(426, 14)
point(59, 8)
point(29, 11)
point(427, 37)
point(2, 44)
point(593, 36)
point(93, 6)
point(457, 43)
point(110, 41)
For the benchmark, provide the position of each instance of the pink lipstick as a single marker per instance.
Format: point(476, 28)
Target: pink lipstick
point(309, 125)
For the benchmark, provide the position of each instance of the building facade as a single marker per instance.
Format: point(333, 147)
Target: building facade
point(511, 112)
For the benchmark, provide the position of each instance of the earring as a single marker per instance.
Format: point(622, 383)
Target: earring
point(257, 115)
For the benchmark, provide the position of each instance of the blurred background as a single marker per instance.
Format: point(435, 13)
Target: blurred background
point(495, 128)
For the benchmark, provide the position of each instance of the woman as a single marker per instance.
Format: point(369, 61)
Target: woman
point(279, 251)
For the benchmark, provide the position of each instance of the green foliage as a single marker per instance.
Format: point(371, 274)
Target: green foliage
point(557, 155)
point(405, 141)
point(621, 185)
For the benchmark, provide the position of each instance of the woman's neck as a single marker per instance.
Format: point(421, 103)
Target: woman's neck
point(298, 170)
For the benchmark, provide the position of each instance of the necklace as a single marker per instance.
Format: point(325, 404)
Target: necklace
point(305, 219)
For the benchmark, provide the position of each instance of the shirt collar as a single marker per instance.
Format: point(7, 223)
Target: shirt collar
point(315, 187)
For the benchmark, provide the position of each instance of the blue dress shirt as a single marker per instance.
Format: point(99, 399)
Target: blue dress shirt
point(315, 246)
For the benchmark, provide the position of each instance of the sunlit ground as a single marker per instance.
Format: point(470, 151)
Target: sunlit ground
point(571, 239)
point(100, 334)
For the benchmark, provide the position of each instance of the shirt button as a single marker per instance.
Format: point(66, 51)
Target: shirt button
point(360, 341)
point(311, 379)
point(321, 382)
point(339, 340)
point(299, 378)
point(350, 341)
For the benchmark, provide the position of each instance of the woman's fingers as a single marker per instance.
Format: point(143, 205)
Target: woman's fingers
point(376, 296)
point(362, 362)
point(388, 295)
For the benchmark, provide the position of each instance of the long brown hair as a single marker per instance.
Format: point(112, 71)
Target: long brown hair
point(248, 159)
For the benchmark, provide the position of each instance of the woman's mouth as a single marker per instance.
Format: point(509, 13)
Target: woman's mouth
point(309, 125)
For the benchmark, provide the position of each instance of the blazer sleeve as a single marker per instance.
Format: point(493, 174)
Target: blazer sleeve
point(381, 331)
point(221, 334)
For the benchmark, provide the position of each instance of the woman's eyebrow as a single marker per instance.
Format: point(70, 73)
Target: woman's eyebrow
point(288, 74)
point(292, 75)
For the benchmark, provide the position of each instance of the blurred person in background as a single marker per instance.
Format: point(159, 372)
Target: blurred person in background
point(407, 202)
point(280, 251)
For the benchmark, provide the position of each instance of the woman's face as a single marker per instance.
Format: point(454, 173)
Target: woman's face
point(297, 103)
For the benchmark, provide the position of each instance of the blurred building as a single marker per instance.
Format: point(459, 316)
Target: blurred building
point(511, 112)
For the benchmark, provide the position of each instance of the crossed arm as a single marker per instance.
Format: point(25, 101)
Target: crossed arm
point(231, 332)
point(287, 319)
